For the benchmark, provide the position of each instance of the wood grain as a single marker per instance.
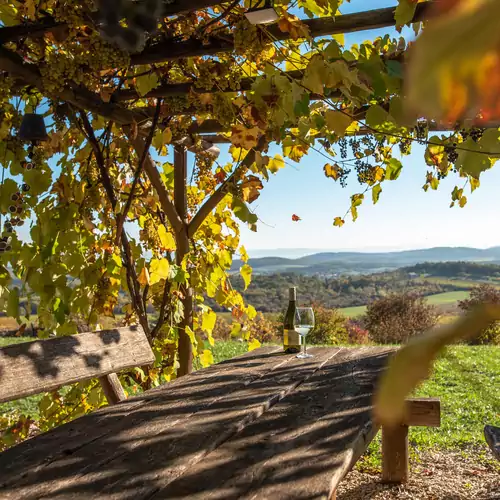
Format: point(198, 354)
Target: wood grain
point(241, 428)
point(424, 412)
point(395, 461)
point(300, 448)
point(46, 365)
point(97, 434)
point(112, 388)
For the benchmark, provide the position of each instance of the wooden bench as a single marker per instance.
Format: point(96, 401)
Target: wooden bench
point(263, 425)
point(46, 365)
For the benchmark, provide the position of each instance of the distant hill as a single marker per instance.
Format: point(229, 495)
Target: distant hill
point(363, 262)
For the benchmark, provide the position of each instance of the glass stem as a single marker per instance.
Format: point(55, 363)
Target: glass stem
point(305, 347)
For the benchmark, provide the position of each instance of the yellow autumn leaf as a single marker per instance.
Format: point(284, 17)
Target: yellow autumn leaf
point(413, 362)
point(333, 171)
point(250, 188)
point(244, 137)
point(253, 344)
point(159, 270)
point(246, 274)
point(208, 320)
point(166, 238)
point(275, 164)
point(338, 222)
point(143, 277)
point(207, 358)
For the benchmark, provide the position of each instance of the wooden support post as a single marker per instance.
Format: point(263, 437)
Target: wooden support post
point(182, 240)
point(112, 388)
point(395, 460)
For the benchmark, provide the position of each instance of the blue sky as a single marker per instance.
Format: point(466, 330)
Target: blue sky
point(405, 217)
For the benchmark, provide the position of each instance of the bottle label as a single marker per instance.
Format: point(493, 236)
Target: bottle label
point(291, 337)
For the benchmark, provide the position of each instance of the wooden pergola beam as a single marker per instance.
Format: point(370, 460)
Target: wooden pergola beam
point(348, 23)
point(34, 29)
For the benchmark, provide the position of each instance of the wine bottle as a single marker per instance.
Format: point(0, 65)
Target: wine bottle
point(291, 339)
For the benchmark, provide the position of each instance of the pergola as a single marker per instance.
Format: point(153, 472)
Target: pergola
point(139, 113)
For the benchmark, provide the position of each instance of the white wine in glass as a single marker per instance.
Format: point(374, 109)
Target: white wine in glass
point(304, 323)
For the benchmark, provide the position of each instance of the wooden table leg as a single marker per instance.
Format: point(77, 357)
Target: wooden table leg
point(395, 460)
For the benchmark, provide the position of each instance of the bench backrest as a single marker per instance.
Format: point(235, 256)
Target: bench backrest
point(45, 365)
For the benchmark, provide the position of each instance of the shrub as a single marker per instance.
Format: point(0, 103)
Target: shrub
point(330, 327)
point(396, 318)
point(479, 295)
point(356, 333)
point(222, 329)
point(263, 329)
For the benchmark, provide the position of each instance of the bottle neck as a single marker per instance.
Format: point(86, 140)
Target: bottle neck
point(292, 294)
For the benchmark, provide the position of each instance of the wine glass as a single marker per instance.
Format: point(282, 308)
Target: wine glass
point(304, 323)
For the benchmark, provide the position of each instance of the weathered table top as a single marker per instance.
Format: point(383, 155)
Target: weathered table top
point(263, 425)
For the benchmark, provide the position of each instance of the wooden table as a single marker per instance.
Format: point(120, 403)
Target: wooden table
point(264, 425)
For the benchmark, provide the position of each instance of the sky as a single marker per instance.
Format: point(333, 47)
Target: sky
point(405, 217)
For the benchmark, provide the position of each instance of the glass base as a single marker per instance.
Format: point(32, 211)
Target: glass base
point(304, 355)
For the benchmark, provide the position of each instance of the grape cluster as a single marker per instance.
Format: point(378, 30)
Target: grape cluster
point(5, 244)
point(476, 134)
point(421, 132)
point(343, 148)
point(405, 146)
point(140, 18)
point(365, 172)
point(451, 152)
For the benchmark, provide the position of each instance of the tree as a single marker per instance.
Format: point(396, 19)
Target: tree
point(483, 294)
point(396, 318)
point(109, 213)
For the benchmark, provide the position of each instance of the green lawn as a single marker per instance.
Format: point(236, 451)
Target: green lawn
point(353, 312)
point(465, 378)
point(446, 298)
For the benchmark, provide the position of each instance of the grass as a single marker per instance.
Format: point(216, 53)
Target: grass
point(353, 312)
point(446, 298)
point(466, 379)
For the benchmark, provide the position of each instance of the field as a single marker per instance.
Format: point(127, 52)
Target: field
point(446, 298)
point(353, 312)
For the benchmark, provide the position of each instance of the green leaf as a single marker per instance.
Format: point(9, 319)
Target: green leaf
point(158, 270)
point(476, 157)
point(338, 122)
point(246, 274)
point(376, 116)
point(405, 12)
point(392, 169)
point(145, 83)
point(13, 303)
point(253, 344)
point(376, 190)
point(242, 212)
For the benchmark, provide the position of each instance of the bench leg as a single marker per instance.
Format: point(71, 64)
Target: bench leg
point(395, 460)
point(112, 388)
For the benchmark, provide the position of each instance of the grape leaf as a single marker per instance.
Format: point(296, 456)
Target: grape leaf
point(253, 344)
point(145, 83)
point(246, 274)
point(376, 190)
point(338, 122)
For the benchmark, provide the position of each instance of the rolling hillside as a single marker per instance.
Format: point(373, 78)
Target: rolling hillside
point(360, 262)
